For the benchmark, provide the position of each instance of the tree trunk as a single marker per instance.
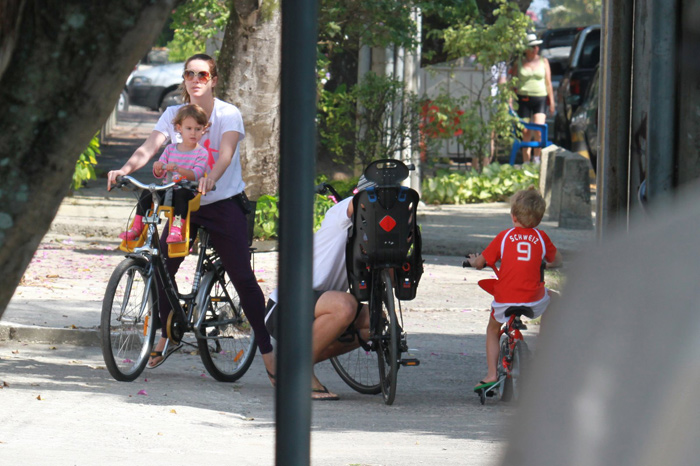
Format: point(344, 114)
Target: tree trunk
point(249, 77)
point(69, 61)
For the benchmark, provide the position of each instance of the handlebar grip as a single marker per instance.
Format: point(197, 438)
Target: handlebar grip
point(466, 264)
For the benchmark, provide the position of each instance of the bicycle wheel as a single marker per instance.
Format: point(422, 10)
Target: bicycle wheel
point(505, 388)
point(518, 368)
point(513, 383)
point(388, 337)
point(127, 328)
point(228, 347)
point(358, 369)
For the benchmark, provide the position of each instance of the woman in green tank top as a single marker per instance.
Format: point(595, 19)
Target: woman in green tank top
point(534, 91)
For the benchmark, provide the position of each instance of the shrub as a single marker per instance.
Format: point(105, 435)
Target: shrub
point(85, 166)
point(496, 183)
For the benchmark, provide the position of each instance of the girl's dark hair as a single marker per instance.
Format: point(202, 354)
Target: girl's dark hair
point(212, 69)
point(191, 110)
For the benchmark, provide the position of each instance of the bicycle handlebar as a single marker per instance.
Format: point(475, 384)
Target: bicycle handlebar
point(324, 188)
point(187, 184)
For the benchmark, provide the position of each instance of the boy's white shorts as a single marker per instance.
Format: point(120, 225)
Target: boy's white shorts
point(498, 310)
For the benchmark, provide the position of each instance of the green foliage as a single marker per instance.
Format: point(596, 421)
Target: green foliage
point(376, 23)
point(321, 206)
point(494, 184)
point(85, 166)
point(193, 22)
point(566, 13)
point(373, 120)
point(470, 120)
point(488, 44)
point(267, 210)
point(437, 17)
point(267, 216)
point(180, 49)
point(344, 188)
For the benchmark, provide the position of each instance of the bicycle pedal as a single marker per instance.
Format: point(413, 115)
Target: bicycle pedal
point(410, 362)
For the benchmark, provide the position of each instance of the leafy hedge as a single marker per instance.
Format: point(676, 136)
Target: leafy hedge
point(495, 183)
point(267, 209)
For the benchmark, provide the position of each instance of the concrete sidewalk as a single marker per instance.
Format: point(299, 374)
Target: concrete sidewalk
point(59, 298)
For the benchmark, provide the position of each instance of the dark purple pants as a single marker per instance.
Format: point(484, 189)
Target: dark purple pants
point(228, 232)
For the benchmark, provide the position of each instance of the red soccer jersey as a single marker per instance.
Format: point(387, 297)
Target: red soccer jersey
point(521, 251)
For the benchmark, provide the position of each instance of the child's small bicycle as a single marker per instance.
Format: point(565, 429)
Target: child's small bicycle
point(513, 355)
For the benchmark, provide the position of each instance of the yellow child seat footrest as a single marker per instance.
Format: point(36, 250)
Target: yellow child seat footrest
point(174, 249)
point(129, 246)
point(182, 249)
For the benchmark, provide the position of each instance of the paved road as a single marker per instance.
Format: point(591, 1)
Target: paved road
point(60, 406)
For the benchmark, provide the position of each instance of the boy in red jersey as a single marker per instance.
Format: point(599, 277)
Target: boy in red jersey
point(521, 250)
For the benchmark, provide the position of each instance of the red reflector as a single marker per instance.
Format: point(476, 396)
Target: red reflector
point(575, 87)
point(387, 223)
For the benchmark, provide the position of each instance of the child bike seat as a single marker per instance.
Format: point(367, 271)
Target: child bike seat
point(384, 232)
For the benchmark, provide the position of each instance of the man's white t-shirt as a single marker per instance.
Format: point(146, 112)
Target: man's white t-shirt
point(224, 118)
point(329, 250)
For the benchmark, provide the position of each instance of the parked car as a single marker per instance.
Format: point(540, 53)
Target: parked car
point(584, 123)
point(556, 47)
point(584, 57)
point(156, 87)
point(123, 102)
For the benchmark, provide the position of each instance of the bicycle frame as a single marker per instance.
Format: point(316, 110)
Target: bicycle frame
point(151, 251)
point(511, 330)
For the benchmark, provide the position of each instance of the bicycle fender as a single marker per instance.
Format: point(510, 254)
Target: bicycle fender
point(138, 258)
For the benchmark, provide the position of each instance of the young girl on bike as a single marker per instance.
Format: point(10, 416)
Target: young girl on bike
point(521, 251)
point(222, 211)
point(185, 159)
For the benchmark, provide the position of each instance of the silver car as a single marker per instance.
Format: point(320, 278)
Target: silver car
point(156, 87)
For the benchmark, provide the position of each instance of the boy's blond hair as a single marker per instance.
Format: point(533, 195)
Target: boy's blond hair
point(528, 207)
point(194, 111)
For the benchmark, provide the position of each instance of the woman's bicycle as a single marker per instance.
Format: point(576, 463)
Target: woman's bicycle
point(384, 266)
point(513, 355)
point(211, 310)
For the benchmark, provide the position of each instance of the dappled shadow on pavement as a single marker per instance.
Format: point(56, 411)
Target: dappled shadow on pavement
point(434, 398)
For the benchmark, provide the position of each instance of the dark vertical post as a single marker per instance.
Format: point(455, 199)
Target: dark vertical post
point(641, 64)
point(663, 82)
point(614, 118)
point(688, 117)
point(297, 164)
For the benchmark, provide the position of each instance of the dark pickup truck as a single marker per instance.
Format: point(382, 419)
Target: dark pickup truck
point(583, 59)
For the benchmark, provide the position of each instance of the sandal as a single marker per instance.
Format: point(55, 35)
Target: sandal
point(322, 394)
point(484, 385)
point(159, 354)
point(272, 378)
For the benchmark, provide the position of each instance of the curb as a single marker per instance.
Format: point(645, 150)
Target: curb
point(10, 331)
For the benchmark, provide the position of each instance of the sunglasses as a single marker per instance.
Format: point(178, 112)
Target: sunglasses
point(189, 75)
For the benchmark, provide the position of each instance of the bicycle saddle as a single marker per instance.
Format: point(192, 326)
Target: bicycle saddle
point(519, 311)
